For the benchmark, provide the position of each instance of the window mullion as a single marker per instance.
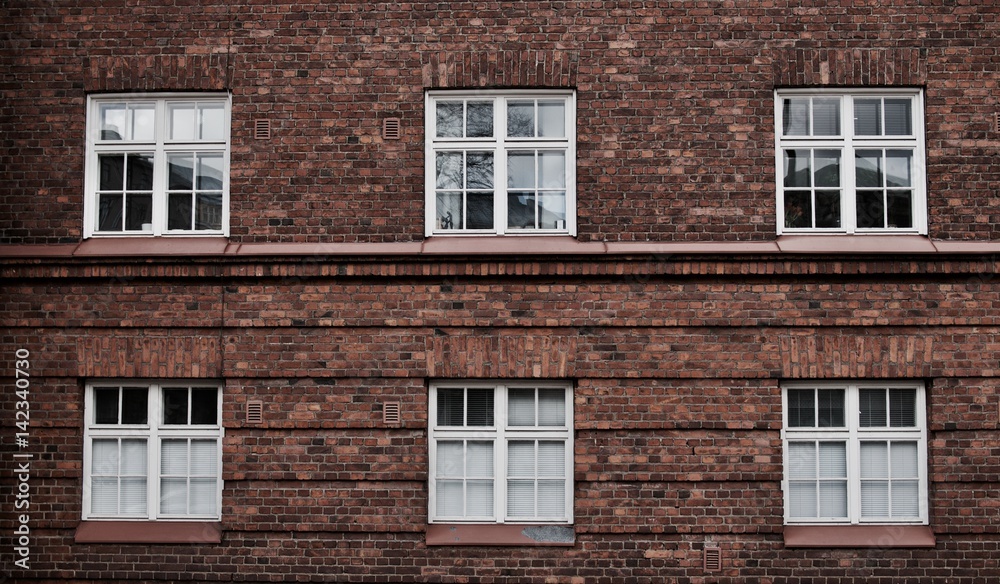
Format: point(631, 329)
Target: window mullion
point(500, 454)
point(153, 453)
point(500, 166)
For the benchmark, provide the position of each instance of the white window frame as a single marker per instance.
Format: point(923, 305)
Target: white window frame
point(154, 431)
point(500, 145)
point(853, 435)
point(847, 142)
point(500, 434)
point(161, 146)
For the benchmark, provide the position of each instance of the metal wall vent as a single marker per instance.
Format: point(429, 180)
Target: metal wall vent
point(262, 129)
point(996, 122)
point(390, 413)
point(712, 559)
point(390, 129)
point(255, 412)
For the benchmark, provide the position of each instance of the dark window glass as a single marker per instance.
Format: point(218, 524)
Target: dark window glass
point(106, 405)
point(902, 408)
point(480, 407)
point(134, 405)
point(872, 405)
point(175, 406)
point(204, 406)
point(451, 407)
point(801, 408)
point(831, 408)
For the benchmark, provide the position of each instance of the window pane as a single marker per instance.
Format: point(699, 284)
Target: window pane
point(203, 496)
point(204, 457)
point(451, 407)
point(138, 212)
point(802, 499)
point(827, 208)
point(898, 165)
point(521, 458)
point(450, 498)
point(521, 170)
point(105, 405)
point(133, 458)
point(180, 169)
point(902, 408)
point(899, 212)
point(449, 119)
point(175, 406)
point(801, 460)
point(182, 122)
point(904, 460)
point(833, 498)
point(870, 209)
point(521, 407)
point(208, 211)
point(551, 459)
point(479, 170)
point(204, 406)
point(872, 405)
point(480, 211)
point(874, 460)
point(174, 457)
point(867, 117)
point(833, 460)
point(179, 211)
point(521, 498)
point(173, 496)
point(449, 171)
point(109, 214)
point(112, 168)
point(874, 498)
point(480, 498)
point(140, 172)
point(480, 407)
point(450, 459)
point(905, 499)
point(479, 459)
point(480, 119)
point(868, 168)
point(551, 498)
point(795, 116)
point(826, 117)
point(133, 495)
point(831, 408)
point(552, 170)
point(104, 457)
point(898, 116)
point(520, 119)
point(801, 408)
point(213, 122)
point(798, 171)
point(798, 209)
point(450, 211)
point(143, 126)
point(521, 209)
point(209, 172)
point(114, 121)
point(134, 405)
point(552, 210)
point(827, 168)
point(551, 407)
point(104, 495)
point(551, 119)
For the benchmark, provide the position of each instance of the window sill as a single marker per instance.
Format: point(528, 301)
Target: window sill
point(859, 536)
point(438, 534)
point(148, 532)
point(874, 243)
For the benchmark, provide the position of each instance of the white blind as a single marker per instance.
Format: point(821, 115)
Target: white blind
point(464, 478)
point(521, 407)
point(874, 469)
point(118, 477)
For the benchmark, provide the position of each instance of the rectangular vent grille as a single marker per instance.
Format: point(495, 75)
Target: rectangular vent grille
point(712, 559)
point(262, 129)
point(390, 129)
point(390, 413)
point(996, 122)
point(255, 412)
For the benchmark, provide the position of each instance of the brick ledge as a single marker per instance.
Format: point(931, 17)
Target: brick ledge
point(148, 532)
point(859, 536)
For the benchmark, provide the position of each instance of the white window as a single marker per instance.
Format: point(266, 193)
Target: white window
point(157, 165)
point(501, 163)
point(501, 453)
point(855, 453)
point(152, 451)
point(850, 162)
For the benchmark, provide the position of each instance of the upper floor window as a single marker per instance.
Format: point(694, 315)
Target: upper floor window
point(152, 451)
point(157, 165)
point(501, 453)
point(501, 162)
point(850, 161)
point(855, 453)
